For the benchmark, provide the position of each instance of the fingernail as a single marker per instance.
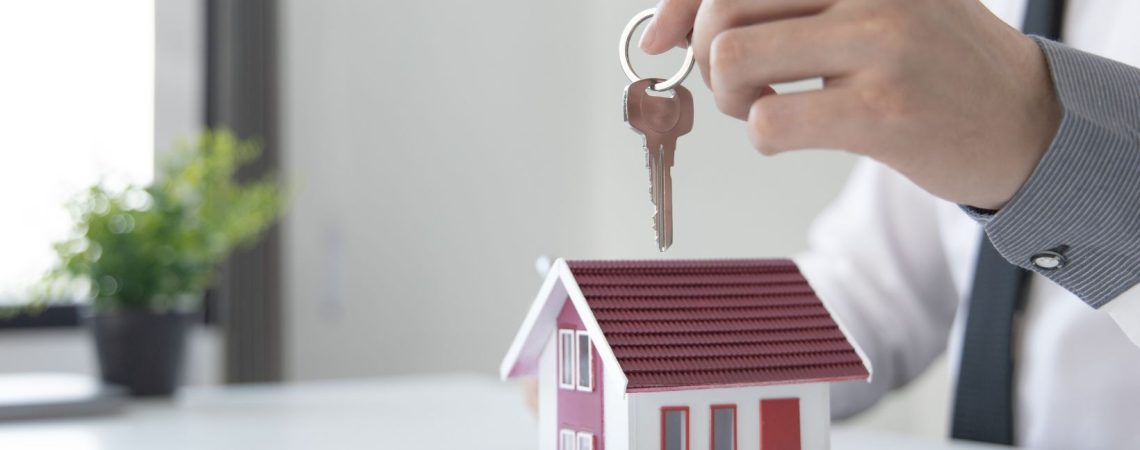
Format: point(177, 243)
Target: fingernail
point(649, 35)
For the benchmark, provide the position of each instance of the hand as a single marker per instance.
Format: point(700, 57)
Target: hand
point(942, 91)
point(530, 394)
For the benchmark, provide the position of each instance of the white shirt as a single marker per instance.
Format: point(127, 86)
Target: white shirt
point(895, 264)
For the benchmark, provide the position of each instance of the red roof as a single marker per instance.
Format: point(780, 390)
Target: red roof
point(677, 324)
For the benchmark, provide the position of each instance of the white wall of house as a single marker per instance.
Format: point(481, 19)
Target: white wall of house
point(815, 418)
point(616, 412)
point(548, 395)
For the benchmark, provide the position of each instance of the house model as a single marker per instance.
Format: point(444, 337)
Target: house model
point(682, 355)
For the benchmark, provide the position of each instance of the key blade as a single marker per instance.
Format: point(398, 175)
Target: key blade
point(665, 196)
point(657, 161)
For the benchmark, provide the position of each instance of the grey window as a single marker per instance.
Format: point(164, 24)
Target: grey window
point(724, 427)
point(585, 363)
point(675, 422)
point(566, 359)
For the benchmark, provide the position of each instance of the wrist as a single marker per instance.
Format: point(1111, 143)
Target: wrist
point(1039, 113)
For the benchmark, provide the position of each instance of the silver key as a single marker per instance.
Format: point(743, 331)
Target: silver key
point(660, 120)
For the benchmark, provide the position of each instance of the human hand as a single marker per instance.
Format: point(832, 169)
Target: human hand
point(530, 394)
point(942, 91)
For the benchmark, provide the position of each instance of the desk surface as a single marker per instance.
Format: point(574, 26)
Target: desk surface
point(446, 412)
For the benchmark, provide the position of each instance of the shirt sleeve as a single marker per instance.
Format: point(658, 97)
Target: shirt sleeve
point(1076, 220)
point(876, 259)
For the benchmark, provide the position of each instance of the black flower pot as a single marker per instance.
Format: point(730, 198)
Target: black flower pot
point(141, 350)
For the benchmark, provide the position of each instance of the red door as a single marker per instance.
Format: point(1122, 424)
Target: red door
point(780, 424)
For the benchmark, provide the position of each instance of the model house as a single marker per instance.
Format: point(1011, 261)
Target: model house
point(681, 355)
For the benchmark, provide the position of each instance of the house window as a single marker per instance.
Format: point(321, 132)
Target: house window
point(675, 428)
point(566, 440)
point(585, 441)
point(723, 427)
point(566, 359)
point(585, 363)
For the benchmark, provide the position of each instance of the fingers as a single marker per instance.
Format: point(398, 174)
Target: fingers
point(745, 59)
point(829, 118)
point(669, 26)
point(716, 16)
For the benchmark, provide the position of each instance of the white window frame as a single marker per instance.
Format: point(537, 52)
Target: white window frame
point(588, 386)
point(565, 434)
point(562, 334)
point(589, 437)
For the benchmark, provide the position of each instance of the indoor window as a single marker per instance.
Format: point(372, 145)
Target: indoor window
point(74, 112)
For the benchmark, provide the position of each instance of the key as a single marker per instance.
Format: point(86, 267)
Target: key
point(660, 118)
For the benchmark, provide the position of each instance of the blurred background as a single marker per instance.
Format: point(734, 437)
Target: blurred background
point(433, 151)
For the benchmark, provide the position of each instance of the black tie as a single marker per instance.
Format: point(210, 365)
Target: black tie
point(983, 401)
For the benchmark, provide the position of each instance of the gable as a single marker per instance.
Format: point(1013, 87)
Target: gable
point(542, 321)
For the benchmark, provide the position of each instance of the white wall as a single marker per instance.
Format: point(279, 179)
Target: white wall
point(547, 414)
point(645, 414)
point(438, 147)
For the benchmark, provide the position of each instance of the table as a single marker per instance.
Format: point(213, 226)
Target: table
point(431, 412)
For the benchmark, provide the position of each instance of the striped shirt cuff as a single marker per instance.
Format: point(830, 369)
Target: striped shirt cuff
point(1077, 218)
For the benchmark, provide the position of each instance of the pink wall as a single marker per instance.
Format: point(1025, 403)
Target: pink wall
point(577, 410)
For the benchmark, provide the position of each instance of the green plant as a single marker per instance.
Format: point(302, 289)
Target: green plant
point(157, 246)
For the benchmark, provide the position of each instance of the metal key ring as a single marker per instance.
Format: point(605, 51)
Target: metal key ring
point(623, 54)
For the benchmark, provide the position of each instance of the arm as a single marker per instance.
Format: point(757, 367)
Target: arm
point(963, 105)
point(877, 262)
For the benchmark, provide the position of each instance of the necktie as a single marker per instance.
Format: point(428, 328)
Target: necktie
point(983, 401)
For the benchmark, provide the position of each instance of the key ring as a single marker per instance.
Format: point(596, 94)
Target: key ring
point(623, 55)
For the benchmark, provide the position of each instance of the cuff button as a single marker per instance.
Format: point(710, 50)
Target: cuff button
point(1050, 259)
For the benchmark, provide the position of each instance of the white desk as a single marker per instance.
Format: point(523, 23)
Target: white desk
point(443, 412)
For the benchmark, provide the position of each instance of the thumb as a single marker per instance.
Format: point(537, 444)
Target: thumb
point(673, 21)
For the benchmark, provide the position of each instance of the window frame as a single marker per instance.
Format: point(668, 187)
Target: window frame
point(563, 333)
point(578, 335)
point(589, 437)
point(712, 424)
point(563, 434)
point(68, 315)
point(665, 410)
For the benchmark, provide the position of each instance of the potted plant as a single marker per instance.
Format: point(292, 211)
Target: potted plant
point(144, 255)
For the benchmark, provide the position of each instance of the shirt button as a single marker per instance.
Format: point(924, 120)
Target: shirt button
point(1051, 259)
